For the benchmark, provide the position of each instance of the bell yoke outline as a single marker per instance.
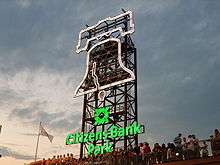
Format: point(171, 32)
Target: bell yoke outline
point(94, 76)
point(108, 33)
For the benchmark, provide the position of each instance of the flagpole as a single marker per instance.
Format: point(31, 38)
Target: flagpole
point(38, 137)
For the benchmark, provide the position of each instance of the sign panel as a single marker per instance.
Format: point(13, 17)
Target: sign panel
point(102, 117)
point(105, 66)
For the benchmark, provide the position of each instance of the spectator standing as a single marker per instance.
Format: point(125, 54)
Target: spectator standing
point(147, 152)
point(171, 154)
point(53, 161)
point(190, 147)
point(178, 144)
point(157, 153)
point(205, 152)
point(141, 153)
point(217, 135)
point(164, 153)
point(211, 141)
point(43, 162)
point(184, 148)
point(178, 141)
point(196, 147)
point(146, 148)
point(130, 155)
point(216, 143)
point(136, 153)
point(48, 162)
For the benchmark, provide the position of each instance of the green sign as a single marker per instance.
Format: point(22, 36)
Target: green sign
point(107, 147)
point(113, 132)
point(102, 117)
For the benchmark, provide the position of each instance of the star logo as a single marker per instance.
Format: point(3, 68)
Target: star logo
point(101, 115)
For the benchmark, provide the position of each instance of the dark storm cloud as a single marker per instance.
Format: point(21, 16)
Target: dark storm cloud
point(42, 34)
point(57, 121)
point(8, 152)
point(178, 56)
point(35, 37)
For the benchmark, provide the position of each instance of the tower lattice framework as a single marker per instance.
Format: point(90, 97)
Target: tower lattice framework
point(121, 98)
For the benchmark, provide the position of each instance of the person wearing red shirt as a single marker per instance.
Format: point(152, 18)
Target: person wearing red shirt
point(147, 152)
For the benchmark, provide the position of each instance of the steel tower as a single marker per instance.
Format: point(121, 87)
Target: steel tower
point(111, 77)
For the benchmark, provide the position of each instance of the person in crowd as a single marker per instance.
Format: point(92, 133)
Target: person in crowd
point(164, 152)
point(190, 147)
point(196, 147)
point(184, 149)
point(204, 148)
point(48, 162)
point(137, 153)
point(141, 153)
point(217, 135)
point(53, 161)
point(178, 141)
point(216, 143)
point(147, 151)
point(146, 148)
point(171, 153)
point(114, 156)
point(157, 153)
point(178, 144)
point(130, 155)
point(43, 162)
point(59, 160)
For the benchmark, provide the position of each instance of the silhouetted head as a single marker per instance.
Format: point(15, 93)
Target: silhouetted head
point(216, 132)
point(146, 144)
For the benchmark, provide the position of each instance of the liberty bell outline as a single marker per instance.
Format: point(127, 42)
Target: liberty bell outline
point(109, 46)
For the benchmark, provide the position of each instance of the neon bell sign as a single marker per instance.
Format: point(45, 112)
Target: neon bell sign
point(99, 40)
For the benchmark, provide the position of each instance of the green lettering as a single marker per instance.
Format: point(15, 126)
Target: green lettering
point(91, 137)
point(137, 128)
point(70, 139)
point(102, 149)
point(85, 139)
point(90, 149)
point(108, 147)
point(98, 136)
point(121, 132)
point(129, 130)
point(97, 150)
point(78, 138)
point(104, 135)
point(114, 131)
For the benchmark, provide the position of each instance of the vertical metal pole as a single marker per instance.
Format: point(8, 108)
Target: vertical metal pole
point(135, 90)
point(83, 124)
point(38, 138)
point(96, 106)
point(125, 87)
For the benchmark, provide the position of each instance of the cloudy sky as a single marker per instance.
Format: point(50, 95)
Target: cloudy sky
point(178, 43)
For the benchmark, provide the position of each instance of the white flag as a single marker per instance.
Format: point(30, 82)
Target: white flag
point(43, 132)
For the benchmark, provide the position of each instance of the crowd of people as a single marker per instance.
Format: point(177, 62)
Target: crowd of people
point(181, 148)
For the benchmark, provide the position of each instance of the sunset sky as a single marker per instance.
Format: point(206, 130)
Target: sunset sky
point(178, 44)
